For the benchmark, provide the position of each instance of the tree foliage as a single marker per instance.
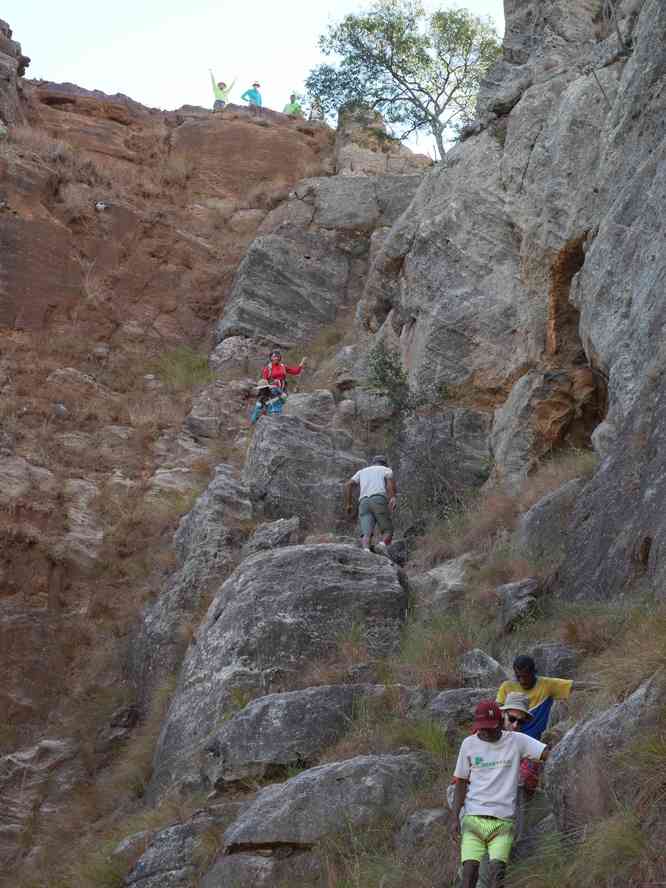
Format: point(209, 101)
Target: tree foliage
point(420, 70)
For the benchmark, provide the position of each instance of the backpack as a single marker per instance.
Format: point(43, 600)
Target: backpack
point(278, 383)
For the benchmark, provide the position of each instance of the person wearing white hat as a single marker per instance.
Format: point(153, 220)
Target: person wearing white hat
point(516, 711)
point(253, 97)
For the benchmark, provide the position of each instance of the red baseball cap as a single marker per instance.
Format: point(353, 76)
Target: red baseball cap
point(487, 715)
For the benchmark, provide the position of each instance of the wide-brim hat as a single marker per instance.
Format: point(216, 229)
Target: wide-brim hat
point(256, 83)
point(487, 715)
point(518, 701)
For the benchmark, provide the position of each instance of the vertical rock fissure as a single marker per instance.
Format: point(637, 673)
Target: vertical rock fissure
point(562, 337)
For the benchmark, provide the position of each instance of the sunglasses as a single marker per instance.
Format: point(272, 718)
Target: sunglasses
point(515, 720)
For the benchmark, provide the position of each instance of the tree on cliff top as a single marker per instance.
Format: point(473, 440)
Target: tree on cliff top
point(420, 70)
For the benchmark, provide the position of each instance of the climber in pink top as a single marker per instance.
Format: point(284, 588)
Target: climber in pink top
point(276, 372)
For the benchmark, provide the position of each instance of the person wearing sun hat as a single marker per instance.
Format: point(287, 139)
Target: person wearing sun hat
point(253, 97)
point(487, 774)
point(516, 711)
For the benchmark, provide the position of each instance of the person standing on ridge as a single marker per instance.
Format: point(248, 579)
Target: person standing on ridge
point(487, 773)
point(253, 98)
point(221, 91)
point(377, 500)
point(276, 372)
point(293, 106)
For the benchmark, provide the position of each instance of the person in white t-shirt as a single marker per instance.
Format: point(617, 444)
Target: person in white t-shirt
point(377, 501)
point(486, 775)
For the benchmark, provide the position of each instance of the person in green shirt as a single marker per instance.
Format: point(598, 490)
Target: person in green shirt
point(293, 106)
point(220, 91)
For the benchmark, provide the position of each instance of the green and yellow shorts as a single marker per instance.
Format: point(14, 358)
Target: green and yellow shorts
point(486, 835)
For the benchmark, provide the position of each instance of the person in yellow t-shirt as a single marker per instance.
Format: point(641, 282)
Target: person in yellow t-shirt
point(541, 693)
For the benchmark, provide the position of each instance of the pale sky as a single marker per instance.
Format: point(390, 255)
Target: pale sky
point(159, 51)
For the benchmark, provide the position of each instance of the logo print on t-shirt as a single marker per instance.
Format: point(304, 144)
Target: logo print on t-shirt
point(478, 759)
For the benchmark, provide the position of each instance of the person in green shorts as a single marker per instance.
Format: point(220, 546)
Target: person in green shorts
point(377, 501)
point(486, 775)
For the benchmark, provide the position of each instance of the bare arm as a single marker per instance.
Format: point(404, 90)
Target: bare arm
point(392, 492)
point(458, 802)
point(349, 488)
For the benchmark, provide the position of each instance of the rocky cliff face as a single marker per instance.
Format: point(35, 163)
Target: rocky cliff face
point(519, 285)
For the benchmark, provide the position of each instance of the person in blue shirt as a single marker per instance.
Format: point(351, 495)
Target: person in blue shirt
point(270, 401)
point(253, 97)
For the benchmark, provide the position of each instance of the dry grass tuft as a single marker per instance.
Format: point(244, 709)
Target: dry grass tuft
point(486, 519)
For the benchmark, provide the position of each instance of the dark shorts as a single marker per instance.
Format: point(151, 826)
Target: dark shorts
point(374, 510)
point(219, 105)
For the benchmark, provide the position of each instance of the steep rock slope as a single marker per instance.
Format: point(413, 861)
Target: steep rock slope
point(489, 274)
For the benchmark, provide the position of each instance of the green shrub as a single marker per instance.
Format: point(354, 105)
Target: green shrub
point(184, 368)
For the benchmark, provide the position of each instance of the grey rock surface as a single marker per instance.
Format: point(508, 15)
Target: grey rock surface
point(327, 799)
point(423, 828)
point(364, 202)
point(480, 670)
point(289, 285)
point(310, 257)
point(280, 731)
point(279, 611)
point(456, 707)
point(516, 601)
point(317, 407)
point(578, 779)
point(441, 456)
point(12, 67)
point(272, 535)
point(553, 658)
point(296, 468)
point(542, 531)
point(443, 587)
point(170, 860)
point(205, 545)
point(249, 870)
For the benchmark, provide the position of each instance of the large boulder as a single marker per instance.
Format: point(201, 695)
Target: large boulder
point(445, 586)
point(455, 708)
point(272, 535)
point(516, 601)
point(295, 468)
point(281, 730)
point(300, 868)
point(173, 855)
point(279, 611)
point(314, 407)
point(289, 285)
point(542, 530)
point(205, 546)
point(479, 670)
point(578, 779)
point(325, 800)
